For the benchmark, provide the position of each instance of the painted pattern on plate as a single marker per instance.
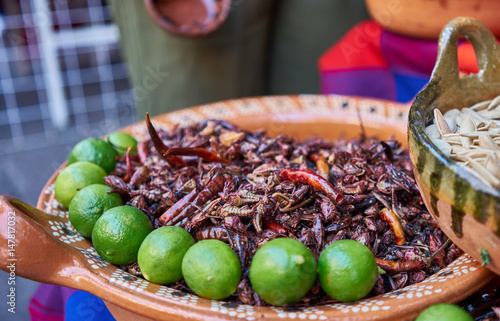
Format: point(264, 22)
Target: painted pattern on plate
point(57, 219)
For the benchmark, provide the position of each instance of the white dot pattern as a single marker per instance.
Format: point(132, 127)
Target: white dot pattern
point(249, 106)
point(372, 109)
point(184, 117)
point(59, 226)
point(65, 232)
point(343, 103)
point(395, 112)
point(94, 259)
point(49, 189)
point(218, 111)
point(314, 103)
point(235, 310)
point(281, 104)
point(127, 280)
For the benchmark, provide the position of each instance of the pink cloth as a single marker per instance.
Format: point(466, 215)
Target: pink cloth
point(48, 302)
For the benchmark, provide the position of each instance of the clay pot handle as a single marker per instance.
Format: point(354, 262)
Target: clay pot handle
point(446, 72)
point(29, 250)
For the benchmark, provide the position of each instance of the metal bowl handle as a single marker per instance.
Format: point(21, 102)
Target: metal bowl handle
point(487, 49)
point(29, 250)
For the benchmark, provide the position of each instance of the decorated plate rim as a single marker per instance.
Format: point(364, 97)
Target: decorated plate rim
point(461, 275)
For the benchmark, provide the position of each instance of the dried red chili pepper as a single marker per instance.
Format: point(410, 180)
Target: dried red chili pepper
point(390, 218)
point(143, 150)
point(322, 166)
point(171, 154)
point(177, 208)
point(215, 186)
point(161, 147)
point(211, 190)
point(272, 225)
point(206, 155)
point(310, 178)
point(397, 267)
point(130, 170)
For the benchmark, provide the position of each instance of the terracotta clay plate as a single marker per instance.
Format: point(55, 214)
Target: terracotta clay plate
point(64, 257)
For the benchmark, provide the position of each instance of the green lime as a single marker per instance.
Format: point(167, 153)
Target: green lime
point(89, 204)
point(211, 269)
point(347, 270)
point(119, 232)
point(74, 178)
point(282, 271)
point(96, 151)
point(444, 312)
point(121, 142)
point(161, 253)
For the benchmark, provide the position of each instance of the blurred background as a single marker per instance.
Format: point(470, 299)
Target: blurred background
point(62, 79)
point(84, 68)
point(62, 74)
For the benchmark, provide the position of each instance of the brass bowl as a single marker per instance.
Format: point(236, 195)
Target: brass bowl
point(466, 209)
point(49, 250)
